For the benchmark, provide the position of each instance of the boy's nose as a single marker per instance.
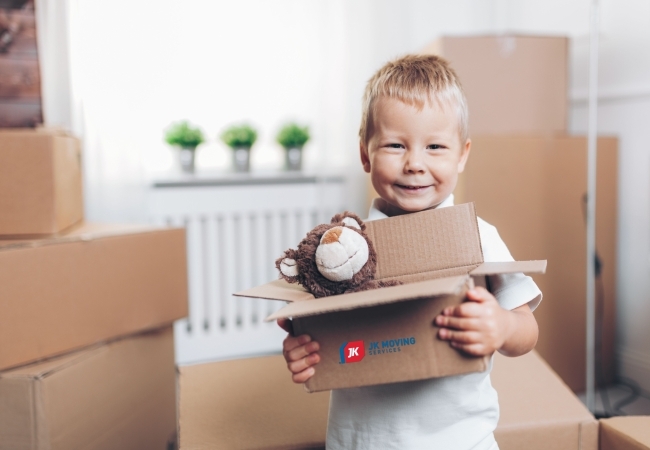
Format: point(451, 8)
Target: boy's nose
point(413, 163)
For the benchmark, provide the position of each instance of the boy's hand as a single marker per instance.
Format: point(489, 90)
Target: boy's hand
point(480, 326)
point(299, 352)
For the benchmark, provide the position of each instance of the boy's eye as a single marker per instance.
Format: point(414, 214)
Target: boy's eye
point(434, 147)
point(394, 145)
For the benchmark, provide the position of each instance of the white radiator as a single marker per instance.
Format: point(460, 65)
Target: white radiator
point(236, 228)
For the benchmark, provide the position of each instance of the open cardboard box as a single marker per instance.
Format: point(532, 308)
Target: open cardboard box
point(387, 335)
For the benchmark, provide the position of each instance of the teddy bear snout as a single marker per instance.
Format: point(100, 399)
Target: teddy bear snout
point(341, 254)
point(332, 235)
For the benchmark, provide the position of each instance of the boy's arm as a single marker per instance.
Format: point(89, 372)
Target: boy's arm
point(480, 326)
point(299, 353)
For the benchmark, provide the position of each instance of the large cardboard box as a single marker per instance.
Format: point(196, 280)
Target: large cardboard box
point(93, 284)
point(228, 405)
point(538, 410)
point(386, 335)
point(532, 188)
point(120, 395)
point(513, 83)
point(40, 182)
point(625, 433)
point(248, 403)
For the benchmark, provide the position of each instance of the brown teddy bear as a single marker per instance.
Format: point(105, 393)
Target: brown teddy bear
point(334, 258)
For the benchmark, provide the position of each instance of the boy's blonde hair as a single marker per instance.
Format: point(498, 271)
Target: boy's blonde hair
point(415, 80)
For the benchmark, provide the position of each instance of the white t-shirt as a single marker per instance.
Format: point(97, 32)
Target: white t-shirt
point(458, 412)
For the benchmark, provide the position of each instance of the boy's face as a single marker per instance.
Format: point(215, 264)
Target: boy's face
point(414, 156)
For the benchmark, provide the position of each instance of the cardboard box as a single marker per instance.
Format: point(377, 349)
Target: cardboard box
point(116, 396)
point(96, 283)
point(389, 331)
point(539, 411)
point(245, 410)
point(40, 182)
point(532, 189)
point(513, 83)
point(228, 405)
point(625, 433)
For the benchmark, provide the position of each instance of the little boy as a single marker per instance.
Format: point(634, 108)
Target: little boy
point(414, 143)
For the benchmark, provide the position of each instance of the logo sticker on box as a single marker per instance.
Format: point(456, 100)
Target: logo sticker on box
point(352, 352)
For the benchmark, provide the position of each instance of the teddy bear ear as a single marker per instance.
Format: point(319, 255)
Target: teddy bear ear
point(349, 219)
point(288, 266)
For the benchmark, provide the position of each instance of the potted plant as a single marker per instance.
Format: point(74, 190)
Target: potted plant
point(240, 138)
point(293, 137)
point(186, 138)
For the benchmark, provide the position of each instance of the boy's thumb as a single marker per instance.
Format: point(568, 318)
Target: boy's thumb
point(477, 294)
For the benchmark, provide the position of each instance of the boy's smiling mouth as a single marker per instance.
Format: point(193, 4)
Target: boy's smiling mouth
point(414, 189)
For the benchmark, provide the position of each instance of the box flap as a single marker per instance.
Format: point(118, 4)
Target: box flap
point(277, 290)
point(446, 238)
point(413, 291)
point(496, 268)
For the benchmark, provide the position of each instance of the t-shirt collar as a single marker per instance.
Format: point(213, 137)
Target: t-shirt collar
point(379, 205)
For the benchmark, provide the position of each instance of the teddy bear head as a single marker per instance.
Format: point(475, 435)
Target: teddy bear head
point(332, 259)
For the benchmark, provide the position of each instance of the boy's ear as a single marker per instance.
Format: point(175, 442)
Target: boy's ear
point(365, 158)
point(464, 155)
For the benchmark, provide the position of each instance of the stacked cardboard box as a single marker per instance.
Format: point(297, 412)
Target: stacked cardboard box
point(528, 178)
point(246, 410)
point(625, 433)
point(76, 370)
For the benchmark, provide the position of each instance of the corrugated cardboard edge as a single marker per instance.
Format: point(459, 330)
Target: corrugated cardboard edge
point(494, 268)
point(382, 296)
point(277, 288)
point(588, 435)
point(79, 234)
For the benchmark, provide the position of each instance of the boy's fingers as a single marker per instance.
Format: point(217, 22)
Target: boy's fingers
point(458, 323)
point(286, 325)
point(291, 342)
point(459, 337)
point(303, 376)
point(302, 351)
point(467, 309)
point(304, 363)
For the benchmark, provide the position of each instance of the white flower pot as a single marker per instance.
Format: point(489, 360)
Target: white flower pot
point(186, 156)
point(241, 159)
point(293, 158)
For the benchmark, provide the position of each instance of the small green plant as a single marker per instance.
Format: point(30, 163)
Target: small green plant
point(239, 136)
point(293, 136)
point(182, 134)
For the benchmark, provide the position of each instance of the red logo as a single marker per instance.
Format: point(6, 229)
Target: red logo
point(352, 352)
